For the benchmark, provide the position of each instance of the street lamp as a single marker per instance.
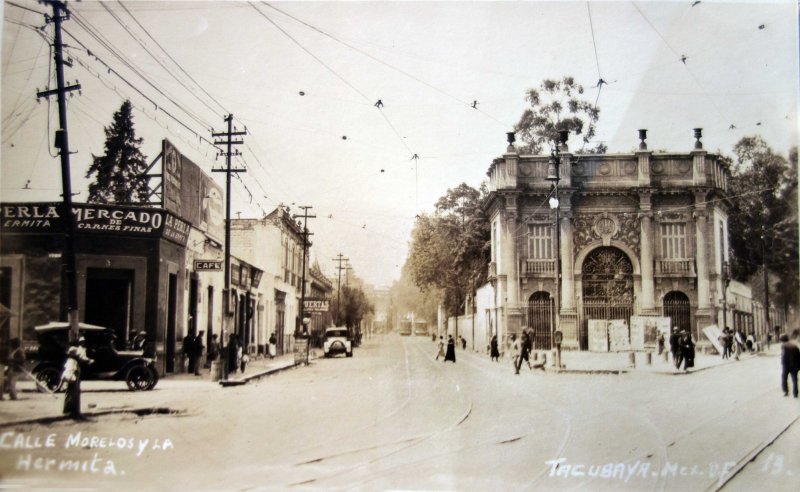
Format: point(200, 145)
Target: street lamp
point(726, 280)
point(554, 177)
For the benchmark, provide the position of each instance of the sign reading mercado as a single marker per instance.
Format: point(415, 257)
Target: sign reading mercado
point(94, 219)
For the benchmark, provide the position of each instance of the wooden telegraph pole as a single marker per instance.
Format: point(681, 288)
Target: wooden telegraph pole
point(227, 139)
point(339, 259)
point(60, 13)
point(305, 217)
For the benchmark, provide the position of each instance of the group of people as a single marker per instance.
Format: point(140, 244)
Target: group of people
point(193, 351)
point(681, 346)
point(450, 353)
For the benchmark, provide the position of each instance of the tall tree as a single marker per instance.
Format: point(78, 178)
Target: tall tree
point(450, 249)
point(557, 105)
point(763, 218)
point(119, 174)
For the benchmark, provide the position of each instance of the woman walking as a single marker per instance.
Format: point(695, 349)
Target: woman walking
point(493, 350)
point(440, 353)
point(451, 349)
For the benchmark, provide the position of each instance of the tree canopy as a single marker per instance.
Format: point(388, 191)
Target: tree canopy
point(119, 174)
point(554, 106)
point(351, 308)
point(763, 196)
point(450, 249)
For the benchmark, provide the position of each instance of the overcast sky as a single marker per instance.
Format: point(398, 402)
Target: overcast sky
point(304, 78)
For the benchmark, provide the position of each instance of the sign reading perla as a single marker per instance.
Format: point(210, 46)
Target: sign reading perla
point(93, 218)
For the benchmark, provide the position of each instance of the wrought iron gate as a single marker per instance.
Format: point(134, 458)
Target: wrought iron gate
point(607, 277)
point(676, 306)
point(541, 317)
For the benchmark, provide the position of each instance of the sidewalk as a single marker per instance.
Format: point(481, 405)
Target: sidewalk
point(34, 407)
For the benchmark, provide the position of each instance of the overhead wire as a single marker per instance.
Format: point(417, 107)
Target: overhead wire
point(388, 65)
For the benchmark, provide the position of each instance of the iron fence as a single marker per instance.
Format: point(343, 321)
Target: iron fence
point(541, 318)
point(602, 308)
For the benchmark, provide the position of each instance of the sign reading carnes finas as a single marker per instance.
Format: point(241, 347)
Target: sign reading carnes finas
point(31, 218)
point(316, 305)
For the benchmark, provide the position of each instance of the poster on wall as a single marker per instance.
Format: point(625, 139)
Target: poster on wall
point(598, 335)
point(618, 335)
point(712, 333)
point(191, 194)
point(645, 330)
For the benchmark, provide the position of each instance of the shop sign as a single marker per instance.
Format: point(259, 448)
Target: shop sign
point(207, 265)
point(316, 305)
point(176, 230)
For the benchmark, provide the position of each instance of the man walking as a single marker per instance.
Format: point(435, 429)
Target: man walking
point(198, 352)
point(674, 347)
point(790, 362)
point(515, 353)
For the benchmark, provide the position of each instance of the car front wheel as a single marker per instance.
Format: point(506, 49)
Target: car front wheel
point(48, 379)
point(140, 378)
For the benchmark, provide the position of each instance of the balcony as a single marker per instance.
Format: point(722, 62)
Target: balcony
point(538, 268)
point(676, 268)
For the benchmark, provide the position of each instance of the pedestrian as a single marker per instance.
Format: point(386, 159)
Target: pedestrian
point(440, 351)
point(240, 353)
point(213, 350)
point(790, 362)
point(198, 352)
point(687, 350)
point(525, 350)
point(750, 341)
point(463, 343)
point(272, 346)
point(71, 375)
point(244, 360)
point(515, 352)
point(15, 365)
point(674, 347)
point(726, 340)
point(660, 343)
point(233, 351)
point(493, 350)
point(188, 350)
point(451, 349)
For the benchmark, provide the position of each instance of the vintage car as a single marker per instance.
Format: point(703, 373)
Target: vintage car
point(138, 371)
point(337, 341)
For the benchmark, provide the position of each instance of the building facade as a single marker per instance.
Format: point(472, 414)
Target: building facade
point(642, 233)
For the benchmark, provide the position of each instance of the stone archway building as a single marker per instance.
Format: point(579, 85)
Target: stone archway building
point(641, 233)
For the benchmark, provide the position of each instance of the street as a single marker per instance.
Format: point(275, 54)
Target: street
point(391, 417)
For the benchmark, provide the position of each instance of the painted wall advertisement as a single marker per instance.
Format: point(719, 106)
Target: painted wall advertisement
point(191, 194)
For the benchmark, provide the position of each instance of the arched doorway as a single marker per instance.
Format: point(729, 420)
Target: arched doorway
point(541, 318)
point(676, 306)
point(607, 281)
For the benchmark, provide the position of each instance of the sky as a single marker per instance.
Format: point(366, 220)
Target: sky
point(304, 78)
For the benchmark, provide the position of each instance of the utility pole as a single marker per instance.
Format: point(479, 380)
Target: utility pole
point(339, 258)
point(347, 269)
point(227, 303)
point(61, 13)
point(305, 217)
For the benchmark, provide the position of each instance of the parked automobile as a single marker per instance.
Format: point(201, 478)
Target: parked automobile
point(337, 341)
point(131, 366)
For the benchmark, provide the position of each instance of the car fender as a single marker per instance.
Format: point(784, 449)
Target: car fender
point(122, 372)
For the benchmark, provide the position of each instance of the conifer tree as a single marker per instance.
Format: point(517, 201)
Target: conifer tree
point(120, 172)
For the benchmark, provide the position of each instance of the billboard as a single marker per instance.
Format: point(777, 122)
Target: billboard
point(191, 194)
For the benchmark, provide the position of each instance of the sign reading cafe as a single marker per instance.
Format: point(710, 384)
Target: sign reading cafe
point(94, 218)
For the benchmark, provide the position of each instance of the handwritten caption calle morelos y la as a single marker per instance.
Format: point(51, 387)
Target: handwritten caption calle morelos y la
point(30, 458)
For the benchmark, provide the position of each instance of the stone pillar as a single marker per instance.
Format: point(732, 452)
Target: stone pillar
point(646, 260)
point(568, 314)
point(511, 302)
point(704, 315)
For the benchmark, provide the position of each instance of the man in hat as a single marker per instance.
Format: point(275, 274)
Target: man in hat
point(138, 341)
point(674, 347)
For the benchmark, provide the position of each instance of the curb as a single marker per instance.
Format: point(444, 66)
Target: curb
point(99, 413)
point(225, 383)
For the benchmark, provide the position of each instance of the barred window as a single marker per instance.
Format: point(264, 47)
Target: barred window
point(540, 242)
point(673, 240)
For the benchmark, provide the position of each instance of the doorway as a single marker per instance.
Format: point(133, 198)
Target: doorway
point(108, 301)
point(607, 277)
point(172, 301)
